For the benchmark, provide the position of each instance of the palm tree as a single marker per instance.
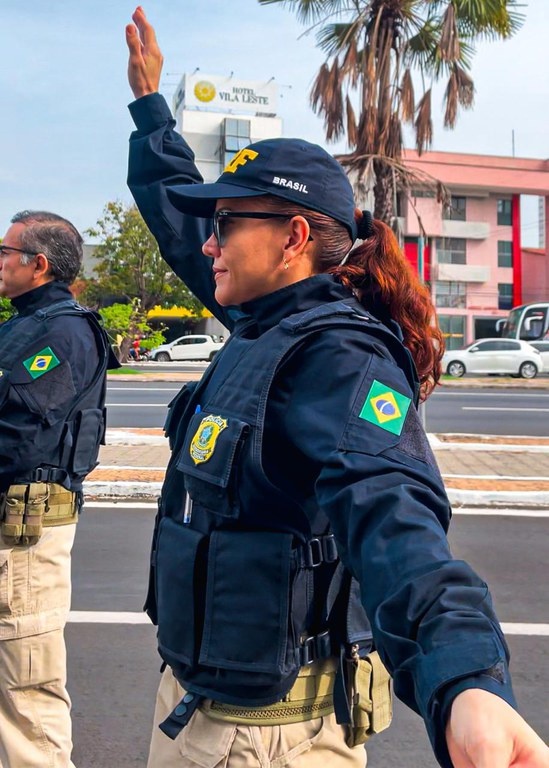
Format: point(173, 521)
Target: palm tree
point(366, 88)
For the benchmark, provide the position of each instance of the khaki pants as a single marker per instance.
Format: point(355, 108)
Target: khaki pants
point(209, 743)
point(35, 593)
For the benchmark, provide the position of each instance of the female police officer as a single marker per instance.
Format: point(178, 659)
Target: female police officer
point(303, 434)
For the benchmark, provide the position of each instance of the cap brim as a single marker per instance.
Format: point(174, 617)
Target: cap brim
point(200, 199)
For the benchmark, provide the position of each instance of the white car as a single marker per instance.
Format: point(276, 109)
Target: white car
point(504, 356)
point(191, 347)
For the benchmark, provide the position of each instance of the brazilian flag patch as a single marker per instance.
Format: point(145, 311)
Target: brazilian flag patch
point(41, 362)
point(385, 407)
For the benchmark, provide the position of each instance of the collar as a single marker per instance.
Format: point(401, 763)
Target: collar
point(269, 310)
point(40, 297)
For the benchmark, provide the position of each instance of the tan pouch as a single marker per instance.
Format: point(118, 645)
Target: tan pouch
point(22, 513)
point(372, 702)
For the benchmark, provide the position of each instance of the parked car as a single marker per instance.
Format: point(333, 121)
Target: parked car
point(501, 356)
point(543, 348)
point(191, 347)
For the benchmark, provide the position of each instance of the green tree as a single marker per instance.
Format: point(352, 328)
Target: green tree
point(129, 264)
point(6, 309)
point(365, 90)
point(126, 321)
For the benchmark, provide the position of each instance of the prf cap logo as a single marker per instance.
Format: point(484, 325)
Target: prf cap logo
point(385, 407)
point(204, 91)
point(41, 363)
point(241, 158)
point(204, 440)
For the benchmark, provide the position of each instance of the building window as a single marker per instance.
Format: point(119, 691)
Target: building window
point(505, 253)
point(453, 330)
point(236, 136)
point(451, 294)
point(505, 295)
point(451, 250)
point(456, 210)
point(504, 212)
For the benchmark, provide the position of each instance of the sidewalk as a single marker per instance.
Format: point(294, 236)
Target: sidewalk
point(482, 471)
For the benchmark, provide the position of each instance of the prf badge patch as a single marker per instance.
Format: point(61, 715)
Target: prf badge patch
point(204, 440)
point(42, 362)
point(385, 407)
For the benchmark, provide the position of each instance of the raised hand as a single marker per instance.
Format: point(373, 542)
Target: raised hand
point(145, 62)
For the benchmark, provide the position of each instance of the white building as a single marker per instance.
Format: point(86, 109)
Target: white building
point(218, 115)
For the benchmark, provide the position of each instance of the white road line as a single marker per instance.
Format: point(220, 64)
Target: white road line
point(537, 630)
point(489, 408)
point(107, 617)
point(126, 617)
point(492, 477)
point(507, 395)
point(142, 389)
point(141, 469)
point(136, 405)
point(120, 505)
point(499, 512)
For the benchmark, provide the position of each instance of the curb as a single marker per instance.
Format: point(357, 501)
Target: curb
point(458, 498)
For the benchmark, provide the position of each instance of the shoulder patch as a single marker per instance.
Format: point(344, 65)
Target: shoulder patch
point(41, 362)
point(385, 407)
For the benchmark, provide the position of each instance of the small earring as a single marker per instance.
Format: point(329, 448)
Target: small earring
point(286, 265)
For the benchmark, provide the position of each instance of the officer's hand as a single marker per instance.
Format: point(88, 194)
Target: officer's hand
point(485, 732)
point(145, 64)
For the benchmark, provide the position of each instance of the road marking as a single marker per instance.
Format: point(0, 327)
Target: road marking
point(108, 617)
point(537, 630)
point(126, 617)
point(508, 395)
point(489, 408)
point(483, 477)
point(120, 505)
point(500, 512)
point(136, 405)
point(140, 469)
point(143, 389)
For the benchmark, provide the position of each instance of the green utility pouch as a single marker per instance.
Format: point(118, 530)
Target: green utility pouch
point(372, 702)
point(22, 509)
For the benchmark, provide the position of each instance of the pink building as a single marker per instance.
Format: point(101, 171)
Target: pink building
point(472, 253)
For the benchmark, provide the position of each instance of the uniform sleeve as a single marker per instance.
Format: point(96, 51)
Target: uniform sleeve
point(377, 481)
point(159, 157)
point(44, 385)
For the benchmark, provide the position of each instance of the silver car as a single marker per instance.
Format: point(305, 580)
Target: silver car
point(502, 356)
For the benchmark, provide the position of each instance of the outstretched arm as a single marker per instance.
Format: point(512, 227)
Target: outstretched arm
point(159, 158)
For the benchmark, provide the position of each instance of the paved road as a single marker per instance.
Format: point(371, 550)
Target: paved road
point(497, 412)
point(113, 667)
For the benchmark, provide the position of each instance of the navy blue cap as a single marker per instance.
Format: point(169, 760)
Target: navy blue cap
point(291, 169)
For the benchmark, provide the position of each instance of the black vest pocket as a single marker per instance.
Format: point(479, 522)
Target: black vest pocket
point(89, 430)
point(180, 581)
point(209, 460)
point(176, 410)
point(247, 602)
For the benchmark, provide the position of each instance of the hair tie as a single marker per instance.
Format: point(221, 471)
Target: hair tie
point(365, 226)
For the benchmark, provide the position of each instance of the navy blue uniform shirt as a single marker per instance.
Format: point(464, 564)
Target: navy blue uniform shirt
point(431, 615)
point(32, 408)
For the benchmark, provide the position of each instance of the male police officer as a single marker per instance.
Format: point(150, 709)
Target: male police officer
point(53, 360)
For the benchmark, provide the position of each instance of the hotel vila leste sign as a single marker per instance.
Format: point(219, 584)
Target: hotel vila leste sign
point(227, 93)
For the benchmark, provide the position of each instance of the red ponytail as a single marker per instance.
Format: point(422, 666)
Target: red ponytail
point(386, 282)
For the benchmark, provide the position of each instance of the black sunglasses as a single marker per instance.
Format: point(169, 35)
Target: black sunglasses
point(220, 218)
point(4, 248)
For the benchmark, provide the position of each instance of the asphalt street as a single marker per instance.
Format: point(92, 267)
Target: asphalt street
point(114, 668)
point(494, 412)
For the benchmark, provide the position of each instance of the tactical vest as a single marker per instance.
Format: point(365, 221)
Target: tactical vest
point(241, 603)
point(73, 445)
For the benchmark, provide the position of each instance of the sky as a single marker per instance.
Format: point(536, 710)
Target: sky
point(65, 124)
